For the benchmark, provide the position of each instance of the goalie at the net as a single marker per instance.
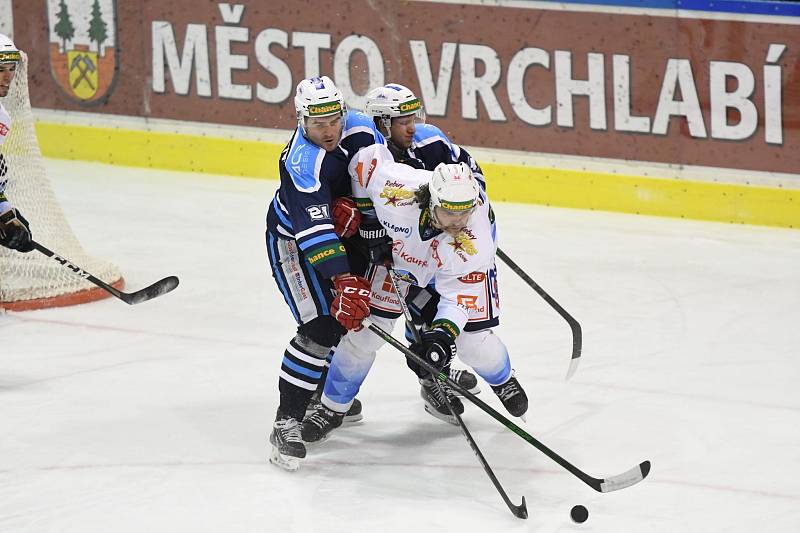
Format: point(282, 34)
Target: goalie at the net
point(29, 280)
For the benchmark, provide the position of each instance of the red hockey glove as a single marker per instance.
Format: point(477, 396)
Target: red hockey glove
point(351, 304)
point(346, 217)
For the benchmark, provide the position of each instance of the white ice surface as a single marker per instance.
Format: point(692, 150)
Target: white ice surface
point(155, 417)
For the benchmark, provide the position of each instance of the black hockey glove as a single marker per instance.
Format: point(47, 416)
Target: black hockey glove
point(436, 346)
point(379, 245)
point(15, 231)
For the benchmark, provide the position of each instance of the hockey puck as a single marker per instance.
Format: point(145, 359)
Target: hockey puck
point(579, 514)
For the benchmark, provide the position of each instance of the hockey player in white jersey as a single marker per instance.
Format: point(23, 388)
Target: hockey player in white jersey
point(14, 229)
point(400, 116)
point(443, 231)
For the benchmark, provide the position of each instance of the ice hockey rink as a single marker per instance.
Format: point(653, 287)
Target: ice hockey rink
point(155, 417)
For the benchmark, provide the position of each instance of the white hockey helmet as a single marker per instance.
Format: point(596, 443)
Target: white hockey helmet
point(8, 52)
point(318, 97)
point(454, 188)
point(393, 100)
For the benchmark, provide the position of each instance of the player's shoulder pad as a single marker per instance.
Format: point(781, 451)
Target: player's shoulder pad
point(427, 134)
point(360, 122)
point(305, 162)
point(429, 131)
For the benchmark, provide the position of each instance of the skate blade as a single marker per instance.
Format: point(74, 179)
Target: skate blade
point(353, 419)
point(446, 418)
point(286, 462)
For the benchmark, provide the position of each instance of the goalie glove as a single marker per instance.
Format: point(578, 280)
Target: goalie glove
point(351, 304)
point(15, 231)
point(346, 217)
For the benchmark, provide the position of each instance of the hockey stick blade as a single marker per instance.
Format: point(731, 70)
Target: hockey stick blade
point(609, 484)
point(520, 511)
point(574, 325)
point(148, 293)
point(621, 481)
point(155, 290)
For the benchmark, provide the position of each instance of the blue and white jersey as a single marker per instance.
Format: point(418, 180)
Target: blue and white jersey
point(431, 146)
point(359, 132)
point(310, 179)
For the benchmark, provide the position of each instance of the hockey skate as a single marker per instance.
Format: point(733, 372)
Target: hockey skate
point(435, 403)
point(513, 396)
point(318, 425)
point(465, 379)
point(352, 415)
point(287, 444)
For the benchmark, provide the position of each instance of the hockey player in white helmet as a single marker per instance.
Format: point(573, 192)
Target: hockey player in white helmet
point(397, 111)
point(443, 232)
point(400, 116)
point(309, 261)
point(14, 229)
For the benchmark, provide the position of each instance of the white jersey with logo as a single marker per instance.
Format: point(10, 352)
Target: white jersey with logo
point(422, 253)
point(5, 129)
point(5, 124)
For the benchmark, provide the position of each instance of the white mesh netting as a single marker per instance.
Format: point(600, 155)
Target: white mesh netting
point(33, 280)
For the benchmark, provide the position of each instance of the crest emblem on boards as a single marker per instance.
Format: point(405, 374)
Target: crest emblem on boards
point(83, 48)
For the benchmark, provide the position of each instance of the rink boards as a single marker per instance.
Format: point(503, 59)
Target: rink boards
point(677, 108)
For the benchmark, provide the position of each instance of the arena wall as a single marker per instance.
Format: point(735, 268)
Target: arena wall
point(627, 106)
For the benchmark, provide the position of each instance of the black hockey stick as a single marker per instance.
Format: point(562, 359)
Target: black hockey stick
point(520, 511)
point(577, 336)
point(148, 293)
point(608, 484)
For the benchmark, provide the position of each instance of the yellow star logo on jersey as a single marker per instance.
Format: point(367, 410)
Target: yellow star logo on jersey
point(395, 194)
point(463, 242)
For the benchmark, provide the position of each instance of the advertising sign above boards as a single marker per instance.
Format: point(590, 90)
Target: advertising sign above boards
point(646, 85)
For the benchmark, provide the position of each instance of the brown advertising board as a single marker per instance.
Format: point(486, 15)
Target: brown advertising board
point(720, 93)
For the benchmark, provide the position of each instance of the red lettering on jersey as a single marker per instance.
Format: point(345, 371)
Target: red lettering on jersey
point(473, 277)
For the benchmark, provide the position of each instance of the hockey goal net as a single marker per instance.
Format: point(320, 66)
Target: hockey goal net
point(32, 280)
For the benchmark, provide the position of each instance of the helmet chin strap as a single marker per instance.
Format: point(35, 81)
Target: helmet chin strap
point(386, 122)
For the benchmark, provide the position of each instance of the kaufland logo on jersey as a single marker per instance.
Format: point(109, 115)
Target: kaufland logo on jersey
point(83, 48)
point(3, 130)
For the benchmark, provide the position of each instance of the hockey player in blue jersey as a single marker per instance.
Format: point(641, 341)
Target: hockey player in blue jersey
point(309, 261)
point(400, 117)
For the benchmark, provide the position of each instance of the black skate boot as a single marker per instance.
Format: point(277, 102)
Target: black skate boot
point(352, 415)
point(287, 445)
point(466, 379)
point(434, 401)
point(318, 425)
point(513, 396)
